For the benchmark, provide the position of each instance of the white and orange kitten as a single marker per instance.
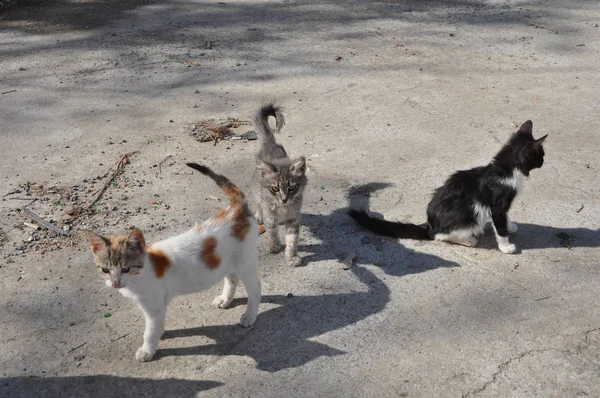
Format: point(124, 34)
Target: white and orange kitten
point(223, 247)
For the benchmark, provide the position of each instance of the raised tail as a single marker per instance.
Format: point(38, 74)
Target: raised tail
point(235, 195)
point(389, 228)
point(261, 123)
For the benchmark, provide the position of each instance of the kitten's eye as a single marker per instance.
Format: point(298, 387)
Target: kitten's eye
point(274, 189)
point(105, 270)
point(292, 188)
point(125, 270)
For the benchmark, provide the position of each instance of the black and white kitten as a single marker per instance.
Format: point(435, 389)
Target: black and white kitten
point(460, 209)
point(281, 186)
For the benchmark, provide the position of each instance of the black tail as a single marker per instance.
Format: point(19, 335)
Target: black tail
point(389, 228)
point(234, 194)
point(261, 122)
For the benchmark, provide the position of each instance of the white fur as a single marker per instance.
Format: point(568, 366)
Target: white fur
point(515, 181)
point(189, 274)
point(483, 215)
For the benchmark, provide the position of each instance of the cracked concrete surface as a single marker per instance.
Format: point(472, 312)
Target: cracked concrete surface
point(421, 89)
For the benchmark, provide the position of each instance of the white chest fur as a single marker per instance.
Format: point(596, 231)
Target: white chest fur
point(515, 181)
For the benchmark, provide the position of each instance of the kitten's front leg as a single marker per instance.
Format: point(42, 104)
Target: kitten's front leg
point(512, 227)
point(155, 323)
point(273, 243)
point(292, 229)
point(500, 222)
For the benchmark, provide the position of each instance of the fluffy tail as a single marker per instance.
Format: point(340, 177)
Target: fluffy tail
point(236, 197)
point(389, 228)
point(261, 123)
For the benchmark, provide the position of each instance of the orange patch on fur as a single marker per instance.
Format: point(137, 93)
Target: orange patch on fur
point(209, 254)
point(160, 261)
point(261, 229)
point(240, 223)
point(222, 213)
point(233, 193)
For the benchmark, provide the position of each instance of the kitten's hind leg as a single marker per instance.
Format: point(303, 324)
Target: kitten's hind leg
point(248, 273)
point(231, 282)
point(511, 226)
point(292, 230)
point(462, 237)
point(500, 222)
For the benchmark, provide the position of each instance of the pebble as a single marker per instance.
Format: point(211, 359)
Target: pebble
point(67, 228)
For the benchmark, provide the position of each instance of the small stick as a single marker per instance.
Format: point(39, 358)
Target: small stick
point(579, 210)
point(44, 223)
point(8, 92)
point(32, 226)
point(32, 199)
point(543, 298)
point(542, 27)
point(74, 348)
point(122, 337)
point(119, 168)
point(161, 163)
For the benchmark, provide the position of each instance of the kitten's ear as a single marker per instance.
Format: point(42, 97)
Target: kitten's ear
point(526, 128)
point(97, 242)
point(136, 241)
point(267, 170)
point(538, 143)
point(298, 166)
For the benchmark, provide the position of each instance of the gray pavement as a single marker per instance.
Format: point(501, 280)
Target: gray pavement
point(385, 99)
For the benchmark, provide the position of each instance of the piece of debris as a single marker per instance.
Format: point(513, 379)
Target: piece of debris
point(44, 223)
point(74, 348)
point(542, 27)
point(338, 58)
point(8, 92)
point(250, 135)
point(209, 130)
point(208, 44)
point(120, 337)
point(213, 198)
point(543, 298)
point(261, 229)
point(347, 263)
point(79, 358)
point(579, 209)
point(162, 162)
point(107, 315)
point(565, 239)
point(192, 62)
point(32, 226)
point(77, 211)
point(290, 295)
point(580, 45)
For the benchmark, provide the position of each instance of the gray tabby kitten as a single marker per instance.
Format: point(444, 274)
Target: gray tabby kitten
point(282, 183)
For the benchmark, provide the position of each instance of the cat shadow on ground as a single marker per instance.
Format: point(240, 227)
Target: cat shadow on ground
point(283, 337)
point(532, 236)
point(339, 235)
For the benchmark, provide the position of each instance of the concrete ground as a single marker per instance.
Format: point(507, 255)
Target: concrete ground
point(385, 99)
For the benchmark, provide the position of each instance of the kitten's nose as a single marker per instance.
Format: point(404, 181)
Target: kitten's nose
point(116, 285)
point(284, 199)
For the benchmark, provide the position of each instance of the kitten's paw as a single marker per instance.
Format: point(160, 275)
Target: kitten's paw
point(512, 228)
point(143, 355)
point(471, 242)
point(508, 249)
point(247, 320)
point(293, 261)
point(222, 301)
